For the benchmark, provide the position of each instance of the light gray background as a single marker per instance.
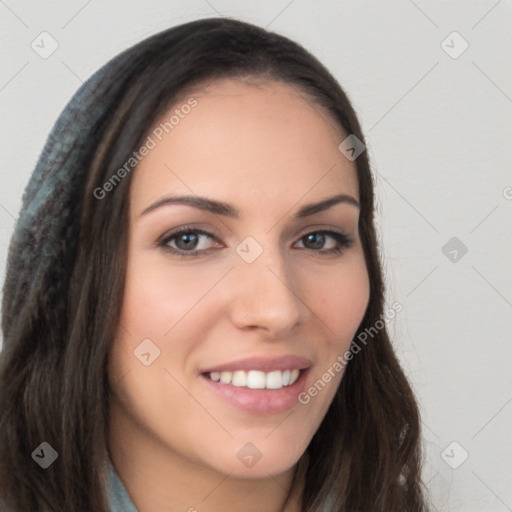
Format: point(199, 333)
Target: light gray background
point(439, 134)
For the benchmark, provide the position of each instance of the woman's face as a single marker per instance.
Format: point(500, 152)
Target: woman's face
point(218, 320)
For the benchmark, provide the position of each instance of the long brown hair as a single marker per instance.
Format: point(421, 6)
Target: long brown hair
point(65, 282)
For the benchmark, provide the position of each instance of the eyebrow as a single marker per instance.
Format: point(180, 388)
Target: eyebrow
point(227, 210)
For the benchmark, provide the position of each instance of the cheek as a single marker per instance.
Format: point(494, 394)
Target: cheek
point(339, 299)
point(163, 302)
point(159, 295)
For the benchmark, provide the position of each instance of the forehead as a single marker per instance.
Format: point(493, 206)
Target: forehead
point(243, 141)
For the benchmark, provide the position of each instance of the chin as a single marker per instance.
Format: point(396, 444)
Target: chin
point(258, 458)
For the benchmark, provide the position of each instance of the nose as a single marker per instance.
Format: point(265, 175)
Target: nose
point(265, 296)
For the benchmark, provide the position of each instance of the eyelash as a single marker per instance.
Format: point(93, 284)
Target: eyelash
point(343, 241)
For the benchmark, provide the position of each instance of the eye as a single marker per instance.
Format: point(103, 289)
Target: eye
point(326, 242)
point(187, 242)
point(193, 242)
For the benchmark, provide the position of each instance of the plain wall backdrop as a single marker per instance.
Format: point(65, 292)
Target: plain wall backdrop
point(431, 82)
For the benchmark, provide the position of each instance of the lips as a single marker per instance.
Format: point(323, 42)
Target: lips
point(263, 364)
point(259, 385)
point(255, 379)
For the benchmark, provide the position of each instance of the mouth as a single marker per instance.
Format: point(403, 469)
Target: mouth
point(259, 386)
point(255, 379)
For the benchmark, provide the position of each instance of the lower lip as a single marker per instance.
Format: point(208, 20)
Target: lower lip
point(260, 401)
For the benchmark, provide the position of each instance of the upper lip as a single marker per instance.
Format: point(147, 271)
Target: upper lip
point(264, 364)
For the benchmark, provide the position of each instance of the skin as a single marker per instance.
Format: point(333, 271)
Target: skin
point(267, 151)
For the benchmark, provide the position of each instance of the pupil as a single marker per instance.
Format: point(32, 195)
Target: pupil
point(318, 240)
point(189, 241)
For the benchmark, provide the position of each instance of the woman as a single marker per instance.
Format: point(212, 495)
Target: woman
point(193, 309)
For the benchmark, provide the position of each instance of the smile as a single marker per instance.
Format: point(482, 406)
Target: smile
point(255, 379)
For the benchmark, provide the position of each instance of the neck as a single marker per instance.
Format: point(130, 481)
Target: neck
point(158, 479)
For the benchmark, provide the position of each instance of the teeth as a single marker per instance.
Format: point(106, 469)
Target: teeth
point(255, 379)
point(274, 380)
point(225, 377)
point(239, 379)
